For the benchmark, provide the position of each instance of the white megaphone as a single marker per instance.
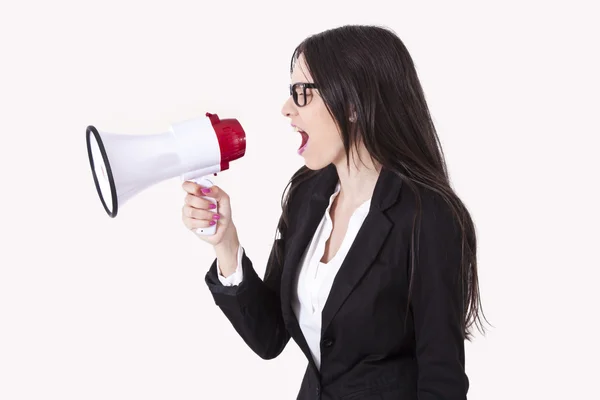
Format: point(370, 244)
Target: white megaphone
point(124, 165)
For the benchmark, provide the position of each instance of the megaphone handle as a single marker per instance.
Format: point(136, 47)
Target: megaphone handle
point(210, 230)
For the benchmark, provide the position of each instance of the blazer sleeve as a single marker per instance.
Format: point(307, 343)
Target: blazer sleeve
point(437, 304)
point(253, 307)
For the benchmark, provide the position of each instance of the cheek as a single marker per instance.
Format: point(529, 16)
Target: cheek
point(331, 135)
point(332, 139)
point(322, 128)
point(325, 129)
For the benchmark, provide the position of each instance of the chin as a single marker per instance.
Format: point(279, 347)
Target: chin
point(321, 160)
point(316, 165)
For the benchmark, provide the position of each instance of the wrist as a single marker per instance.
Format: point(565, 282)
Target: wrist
point(228, 243)
point(226, 252)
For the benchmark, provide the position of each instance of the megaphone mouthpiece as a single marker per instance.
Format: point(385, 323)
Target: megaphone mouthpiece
point(231, 138)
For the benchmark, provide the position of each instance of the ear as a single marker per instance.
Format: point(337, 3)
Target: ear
point(352, 113)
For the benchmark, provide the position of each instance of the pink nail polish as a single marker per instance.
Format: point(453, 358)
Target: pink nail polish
point(205, 190)
point(212, 222)
point(212, 206)
point(216, 216)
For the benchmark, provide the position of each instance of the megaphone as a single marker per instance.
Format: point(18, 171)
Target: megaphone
point(124, 165)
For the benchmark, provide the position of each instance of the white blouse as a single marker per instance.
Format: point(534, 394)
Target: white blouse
point(314, 279)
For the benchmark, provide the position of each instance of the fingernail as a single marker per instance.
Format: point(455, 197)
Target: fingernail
point(216, 216)
point(212, 206)
point(212, 222)
point(205, 190)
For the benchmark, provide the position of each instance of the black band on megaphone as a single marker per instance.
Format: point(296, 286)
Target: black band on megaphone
point(91, 130)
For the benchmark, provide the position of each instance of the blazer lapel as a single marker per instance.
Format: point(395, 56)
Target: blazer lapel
point(308, 221)
point(366, 245)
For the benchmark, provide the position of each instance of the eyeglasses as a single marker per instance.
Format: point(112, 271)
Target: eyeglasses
point(298, 92)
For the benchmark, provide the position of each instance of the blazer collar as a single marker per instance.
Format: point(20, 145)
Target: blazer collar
point(385, 194)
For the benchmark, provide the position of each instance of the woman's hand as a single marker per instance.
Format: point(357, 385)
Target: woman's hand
point(199, 213)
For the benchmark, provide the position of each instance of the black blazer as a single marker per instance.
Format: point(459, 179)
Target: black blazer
point(374, 345)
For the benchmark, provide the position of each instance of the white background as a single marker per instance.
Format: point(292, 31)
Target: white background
point(99, 308)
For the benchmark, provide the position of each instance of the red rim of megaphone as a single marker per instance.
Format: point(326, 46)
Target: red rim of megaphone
point(91, 130)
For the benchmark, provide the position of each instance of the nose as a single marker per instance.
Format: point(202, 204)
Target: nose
point(289, 108)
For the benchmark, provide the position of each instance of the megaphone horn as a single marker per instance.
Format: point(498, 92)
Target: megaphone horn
point(124, 165)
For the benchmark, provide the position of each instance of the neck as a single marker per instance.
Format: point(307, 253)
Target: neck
point(357, 182)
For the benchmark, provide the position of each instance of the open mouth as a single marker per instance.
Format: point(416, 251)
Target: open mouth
point(304, 140)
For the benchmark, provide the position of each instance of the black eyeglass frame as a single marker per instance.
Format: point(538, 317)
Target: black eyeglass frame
point(304, 86)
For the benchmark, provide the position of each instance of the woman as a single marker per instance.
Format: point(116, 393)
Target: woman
point(373, 271)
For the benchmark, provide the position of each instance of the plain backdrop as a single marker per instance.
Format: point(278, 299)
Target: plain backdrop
point(99, 308)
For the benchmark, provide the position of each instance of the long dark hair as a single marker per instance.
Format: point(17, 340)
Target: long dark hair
point(367, 69)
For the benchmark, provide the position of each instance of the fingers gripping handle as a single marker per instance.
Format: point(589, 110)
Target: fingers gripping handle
point(210, 230)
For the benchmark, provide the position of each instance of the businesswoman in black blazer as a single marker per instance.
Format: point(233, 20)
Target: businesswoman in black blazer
point(373, 213)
